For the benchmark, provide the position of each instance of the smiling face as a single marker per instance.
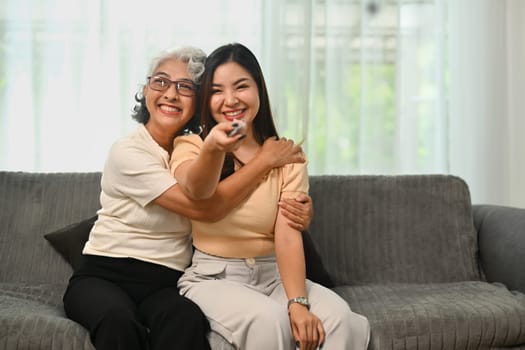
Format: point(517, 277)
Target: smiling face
point(169, 110)
point(234, 94)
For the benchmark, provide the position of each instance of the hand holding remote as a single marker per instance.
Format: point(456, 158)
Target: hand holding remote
point(238, 127)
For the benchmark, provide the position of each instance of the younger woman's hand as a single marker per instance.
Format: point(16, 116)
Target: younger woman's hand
point(219, 140)
point(307, 328)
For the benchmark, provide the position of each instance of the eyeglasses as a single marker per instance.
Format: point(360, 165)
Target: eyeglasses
point(183, 87)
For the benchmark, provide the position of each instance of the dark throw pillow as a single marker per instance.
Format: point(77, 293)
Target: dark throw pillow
point(315, 270)
point(69, 241)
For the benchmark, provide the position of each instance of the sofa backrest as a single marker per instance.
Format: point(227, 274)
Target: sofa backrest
point(33, 204)
point(368, 229)
point(394, 229)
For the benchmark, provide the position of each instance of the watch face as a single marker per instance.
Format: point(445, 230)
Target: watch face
point(300, 300)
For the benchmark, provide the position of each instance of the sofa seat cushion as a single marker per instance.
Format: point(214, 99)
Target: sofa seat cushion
point(32, 317)
point(458, 315)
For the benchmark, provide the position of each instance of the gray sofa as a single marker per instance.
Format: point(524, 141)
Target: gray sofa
point(429, 270)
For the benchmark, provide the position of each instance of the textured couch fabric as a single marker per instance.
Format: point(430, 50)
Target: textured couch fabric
point(405, 251)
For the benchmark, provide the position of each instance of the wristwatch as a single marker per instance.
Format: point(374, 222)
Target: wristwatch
point(299, 300)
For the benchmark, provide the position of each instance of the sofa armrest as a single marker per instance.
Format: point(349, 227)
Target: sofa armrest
point(501, 234)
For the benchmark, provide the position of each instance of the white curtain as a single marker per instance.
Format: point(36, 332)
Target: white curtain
point(487, 105)
point(362, 82)
point(371, 86)
point(69, 70)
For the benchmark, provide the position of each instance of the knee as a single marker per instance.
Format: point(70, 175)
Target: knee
point(360, 330)
point(180, 324)
point(118, 320)
point(185, 307)
point(181, 311)
point(357, 324)
point(273, 322)
point(351, 327)
point(118, 326)
point(270, 320)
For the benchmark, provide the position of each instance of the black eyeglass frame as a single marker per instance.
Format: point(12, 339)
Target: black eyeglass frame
point(177, 83)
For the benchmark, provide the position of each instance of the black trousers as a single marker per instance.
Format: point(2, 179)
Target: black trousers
point(130, 304)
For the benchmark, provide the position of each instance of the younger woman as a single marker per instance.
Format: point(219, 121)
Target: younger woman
point(248, 270)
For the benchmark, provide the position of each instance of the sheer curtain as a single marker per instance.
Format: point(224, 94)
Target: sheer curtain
point(364, 83)
point(487, 81)
point(69, 70)
point(371, 86)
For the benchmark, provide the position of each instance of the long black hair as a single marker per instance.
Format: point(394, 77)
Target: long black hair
point(263, 123)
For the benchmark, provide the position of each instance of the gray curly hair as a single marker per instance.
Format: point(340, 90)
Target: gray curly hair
point(194, 57)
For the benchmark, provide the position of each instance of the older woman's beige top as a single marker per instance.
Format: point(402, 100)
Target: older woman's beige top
point(129, 223)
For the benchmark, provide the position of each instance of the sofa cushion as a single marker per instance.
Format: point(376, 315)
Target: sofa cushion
point(394, 229)
point(32, 317)
point(32, 205)
point(70, 240)
point(459, 315)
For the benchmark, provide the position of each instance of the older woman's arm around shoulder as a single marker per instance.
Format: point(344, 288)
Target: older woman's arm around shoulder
point(235, 188)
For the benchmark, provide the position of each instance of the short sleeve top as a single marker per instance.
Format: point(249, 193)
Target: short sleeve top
point(248, 230)
point(130, 224)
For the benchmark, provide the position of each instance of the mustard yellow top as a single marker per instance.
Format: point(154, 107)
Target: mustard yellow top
point(247, 231)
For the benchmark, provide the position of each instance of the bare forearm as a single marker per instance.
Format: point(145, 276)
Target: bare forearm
point(199, 177)
point(290, 259)
point(202, 175)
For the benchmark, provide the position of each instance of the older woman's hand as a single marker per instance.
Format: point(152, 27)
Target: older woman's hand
point(278, 153)
point(298, 211)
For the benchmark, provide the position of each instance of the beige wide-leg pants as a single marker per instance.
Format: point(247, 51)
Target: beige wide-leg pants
point(245, 301)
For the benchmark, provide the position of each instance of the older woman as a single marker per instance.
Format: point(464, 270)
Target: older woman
point(125, 293)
